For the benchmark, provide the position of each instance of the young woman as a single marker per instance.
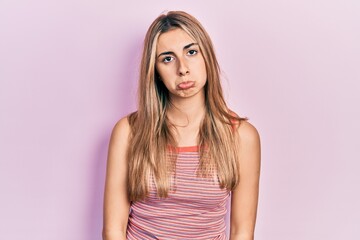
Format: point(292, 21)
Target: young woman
point(173, 164)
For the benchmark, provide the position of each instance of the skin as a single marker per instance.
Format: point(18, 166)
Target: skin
point(182, 69)
point(244, 197)
point(116, 203)
point(179, 60)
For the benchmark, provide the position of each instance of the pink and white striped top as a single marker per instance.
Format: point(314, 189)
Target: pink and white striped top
point(195, 210)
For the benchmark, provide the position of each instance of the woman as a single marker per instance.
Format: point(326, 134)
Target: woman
point(173, 164)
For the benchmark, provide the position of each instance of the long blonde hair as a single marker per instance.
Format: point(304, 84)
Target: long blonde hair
point(152, 152)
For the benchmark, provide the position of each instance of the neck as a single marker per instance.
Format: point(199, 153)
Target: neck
point(184, 112)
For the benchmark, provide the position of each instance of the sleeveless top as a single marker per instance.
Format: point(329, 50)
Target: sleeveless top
point(196, 209)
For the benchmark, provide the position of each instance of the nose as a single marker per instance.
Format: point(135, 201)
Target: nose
point(183, 68)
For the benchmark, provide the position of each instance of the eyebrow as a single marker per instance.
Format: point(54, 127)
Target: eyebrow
point(185, 47)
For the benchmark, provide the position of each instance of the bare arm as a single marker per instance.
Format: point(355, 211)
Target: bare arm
point(244, 198)
point(116, 203)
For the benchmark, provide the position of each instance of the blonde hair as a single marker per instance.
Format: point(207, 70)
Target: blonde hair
point(152, 152)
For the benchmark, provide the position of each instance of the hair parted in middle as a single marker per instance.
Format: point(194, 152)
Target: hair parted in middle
point(152, 153)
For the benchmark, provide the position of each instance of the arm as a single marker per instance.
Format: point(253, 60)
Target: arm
point(116, 203)
point(244, 198)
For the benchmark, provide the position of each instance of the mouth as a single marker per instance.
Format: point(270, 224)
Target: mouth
point(185, 85)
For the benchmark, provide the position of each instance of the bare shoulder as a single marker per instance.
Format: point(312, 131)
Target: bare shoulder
point(121, 130)
point(122, 125)
point(118, 146)
point(248, 133)
point(249, 152)
point(245, 195)
point(249, 142)
point(116, 203)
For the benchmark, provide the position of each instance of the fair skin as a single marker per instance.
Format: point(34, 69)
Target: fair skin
point(181, 67)
point(116, 203)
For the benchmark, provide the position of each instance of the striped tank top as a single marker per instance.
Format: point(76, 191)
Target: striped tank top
point(195, 210)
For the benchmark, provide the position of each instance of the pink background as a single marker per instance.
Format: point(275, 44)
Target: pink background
point(68, 72)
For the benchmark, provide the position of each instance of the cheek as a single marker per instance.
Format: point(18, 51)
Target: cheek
point(163, 72)
point(158, 70)
point(203, 69)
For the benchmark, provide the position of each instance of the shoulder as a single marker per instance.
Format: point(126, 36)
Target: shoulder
point(247, 132)
point(121, 131)
point(249, 144)
point(122, 124)
point(249, 151)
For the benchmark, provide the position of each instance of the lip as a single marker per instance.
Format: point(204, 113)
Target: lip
point(185, 85)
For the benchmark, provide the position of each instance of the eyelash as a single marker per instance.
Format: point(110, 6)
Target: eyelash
point(164, 60)
point(192, 50)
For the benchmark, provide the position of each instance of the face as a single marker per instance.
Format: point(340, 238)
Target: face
point(180, 64)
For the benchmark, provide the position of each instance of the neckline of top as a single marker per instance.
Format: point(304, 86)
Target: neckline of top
point(187, 149)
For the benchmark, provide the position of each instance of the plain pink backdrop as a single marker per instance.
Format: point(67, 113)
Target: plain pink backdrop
point(68, 72)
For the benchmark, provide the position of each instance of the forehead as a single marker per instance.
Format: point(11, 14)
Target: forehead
point(173, 40)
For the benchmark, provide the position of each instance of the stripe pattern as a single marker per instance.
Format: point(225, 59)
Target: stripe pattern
point(194, 210)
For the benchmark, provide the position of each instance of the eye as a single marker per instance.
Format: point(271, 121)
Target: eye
point(168, 59)
point(192, 52)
